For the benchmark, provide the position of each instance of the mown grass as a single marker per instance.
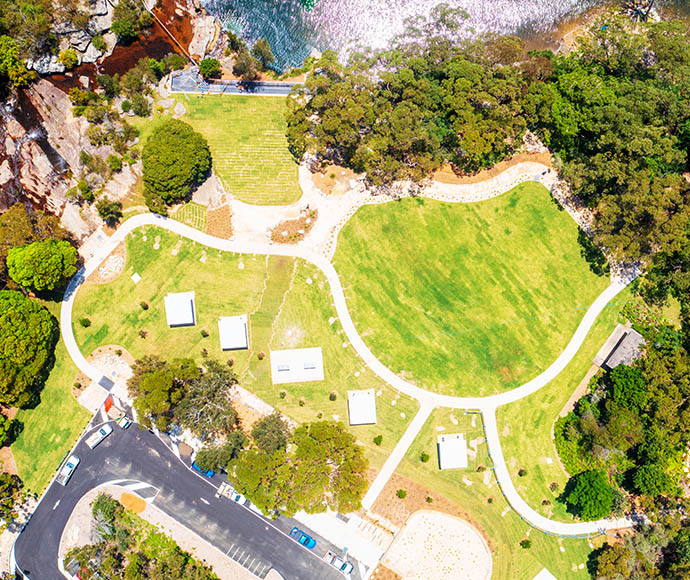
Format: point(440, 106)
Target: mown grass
point(466, 299)
point(471, 490)
point(51, 428)
point(526, 426)
point(192, 214)
point(246, 135)
point(285, 310)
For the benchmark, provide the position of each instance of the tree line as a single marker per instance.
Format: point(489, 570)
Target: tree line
point(314, 467)
point(615, 113)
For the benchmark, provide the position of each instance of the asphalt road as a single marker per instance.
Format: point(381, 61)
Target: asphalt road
point(189, 81)
point(135, 454)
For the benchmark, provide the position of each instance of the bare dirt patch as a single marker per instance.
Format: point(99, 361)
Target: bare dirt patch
point(107, 358)
point(383, 573)
point(219, 222)
point(446, 174)
point(292, 231)
point(334, 179)
point(112, 267)
point(398, 511)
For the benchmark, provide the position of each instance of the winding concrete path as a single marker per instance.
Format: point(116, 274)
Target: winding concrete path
point(428, 400)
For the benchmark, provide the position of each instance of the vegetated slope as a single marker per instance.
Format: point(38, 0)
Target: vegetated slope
point(466, 299)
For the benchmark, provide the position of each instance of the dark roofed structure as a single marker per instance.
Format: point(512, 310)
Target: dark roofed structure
point(627, 349)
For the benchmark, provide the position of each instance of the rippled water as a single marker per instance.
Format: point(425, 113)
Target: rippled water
point(346, 24)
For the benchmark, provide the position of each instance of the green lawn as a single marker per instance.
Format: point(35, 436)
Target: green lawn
point(471, 490)
point(247, 139)
point(532, 447)
point(285, 309)
point(466, 299)
point(53, 426)
point(192, 214)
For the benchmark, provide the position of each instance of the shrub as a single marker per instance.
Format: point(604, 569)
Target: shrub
point(261, 355)
point(144, 305)
point(126, 106)
point(401, 493)
point(209, 68)
point(99, 43)
point(69, 58)
point(553, 486)
point(282, 394)
point(332, 396)
point(140, 105)
point(174, 61)
point(115, 163)
point(319, 415)
point(481, 468)
point(429, 499)
point(118, 352)
point(204, 333)
point(143, 333)
point(378, 439)
point(526, 544)
point(522, 472)
point(85, 322)
point(204, 352)
point(110, 211)
point(424, 457)
point(489, 500)
point(230, 362)
point(76, 385)
point(301, 402)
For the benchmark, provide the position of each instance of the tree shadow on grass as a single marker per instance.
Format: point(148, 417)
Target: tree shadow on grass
point(592, 255)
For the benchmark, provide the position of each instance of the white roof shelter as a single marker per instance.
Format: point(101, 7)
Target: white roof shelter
point(296, 365)
point(361, 406)
point(179, 309)
point(233, 332)
point(452, 451)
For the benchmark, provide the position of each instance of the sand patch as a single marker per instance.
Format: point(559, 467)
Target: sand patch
point(133, 502)
point(112, 266)
point(446, 174)
point(437, 546)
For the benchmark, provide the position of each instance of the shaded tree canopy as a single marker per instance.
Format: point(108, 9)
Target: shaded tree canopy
point(323, 469)
point(20, 226)
point(209, 68)
point(43, 265)
point(175, 160)
point(591, 496)
point(217, 457)
point(271, 433)
point(28, 335)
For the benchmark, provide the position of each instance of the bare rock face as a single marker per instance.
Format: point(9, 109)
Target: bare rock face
point(46, 64)
point(66, 133)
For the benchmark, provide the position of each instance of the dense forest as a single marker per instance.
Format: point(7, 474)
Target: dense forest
point(615, 112)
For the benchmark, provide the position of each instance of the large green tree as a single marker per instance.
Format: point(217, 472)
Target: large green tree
point(271, 433)
point(591, 495)
point(28, 334)
point(175, 160)
point(43, 265)
point(20, 226)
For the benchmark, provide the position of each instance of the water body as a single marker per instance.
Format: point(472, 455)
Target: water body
point(347, 24)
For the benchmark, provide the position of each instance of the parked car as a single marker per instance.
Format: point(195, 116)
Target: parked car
point(95, 438)
point(338, 563)
point(67, 469)
point(124, 422)
point(237, 497)
point(299, 536)
point(207, 473)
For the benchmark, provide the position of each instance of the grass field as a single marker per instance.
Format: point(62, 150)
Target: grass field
point(192, 214)
point(466, 299)
point(525, 426)
point(53, 426)
point(285, 311)
point(471, 490)
point(247, 139)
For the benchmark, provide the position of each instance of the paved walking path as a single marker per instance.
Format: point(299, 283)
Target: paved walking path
point(318, 248)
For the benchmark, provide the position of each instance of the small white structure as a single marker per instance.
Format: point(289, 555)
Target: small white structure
point(361, 406)
point(452, 451)
point(296, 365)
point(233, 332)
point(179, 309)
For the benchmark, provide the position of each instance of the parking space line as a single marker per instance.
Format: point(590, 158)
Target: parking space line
point(235, 553)
point(230, 548)
point(250, 565)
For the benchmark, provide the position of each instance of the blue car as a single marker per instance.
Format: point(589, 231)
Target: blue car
point(208, 473)
point(304, 539)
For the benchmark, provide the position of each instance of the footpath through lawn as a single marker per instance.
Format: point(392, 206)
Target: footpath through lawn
point(466, 299)
point(289, 306)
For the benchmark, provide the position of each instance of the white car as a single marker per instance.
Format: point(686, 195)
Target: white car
point(95, 438)
point(67, 469)
point(124, 422)
point(338, 563)
point(238, 498)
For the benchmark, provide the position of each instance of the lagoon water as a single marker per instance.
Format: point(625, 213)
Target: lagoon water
point(346, 24)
